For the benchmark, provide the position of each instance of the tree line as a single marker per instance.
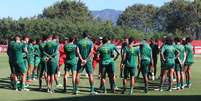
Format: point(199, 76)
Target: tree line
point(66, 18)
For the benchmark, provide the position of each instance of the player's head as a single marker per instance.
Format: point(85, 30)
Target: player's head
point(71, 39)
point(26, 38)
point(50, 37)
point(85, 34)
point(130, 40)
point(177, 40)
point(105, 40)
point(34, 41)
point(17, 37)
point(189, 40)
point(169, 40)
point(44, 37)
point(55, 37)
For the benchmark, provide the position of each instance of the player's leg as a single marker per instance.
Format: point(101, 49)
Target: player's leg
point(89, 70)
point(30, 67)
point(171, 77)
point(126, 72)
point(163, 77)
point(74, 73)
point(65, 80)
point(178, 76)
point(189, 82)
point(132, 80)
point(182, 77)
point(145, 70)
point(77, 81)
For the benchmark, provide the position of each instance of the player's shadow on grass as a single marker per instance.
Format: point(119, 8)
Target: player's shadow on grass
point(125, 98)
point(5, 83)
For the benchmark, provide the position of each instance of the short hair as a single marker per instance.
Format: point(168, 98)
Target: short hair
point(169, 40)
point(85, 34)
point(105, 39)
point(71, 39)
point(189, 39)
point(177, 39)
point(130, 40)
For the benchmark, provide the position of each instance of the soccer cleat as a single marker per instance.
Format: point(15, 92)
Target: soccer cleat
point(152, 76)
point(25, 89)
point(116, 88)
point(189, 85)
point(131, 92)
point(59, 74)
point(170, 89)
point(93, 93)
point(146, 90)
point(59, 85)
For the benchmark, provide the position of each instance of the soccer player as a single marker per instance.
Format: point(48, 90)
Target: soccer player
point(43, 64)
point(131, 56)
point(70, 50)
point(50, 51)
point(107, 63)
point(56, 40)
point(30, 59)
point(122, 64)
point(11, 59)
point(85, 50)
point(189, 61)
point(155, 52)
point(37, 59)
point(146, 60)
point(179, 63)
point(20, 67)
point(62, 56)
point(168, 56)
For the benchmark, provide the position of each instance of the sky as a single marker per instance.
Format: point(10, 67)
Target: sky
point(29, 8)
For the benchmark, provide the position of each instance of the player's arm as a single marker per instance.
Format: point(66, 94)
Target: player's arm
point(79, 55)
point(116, 57)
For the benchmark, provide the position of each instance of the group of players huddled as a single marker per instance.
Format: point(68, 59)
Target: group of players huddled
point(42, 59)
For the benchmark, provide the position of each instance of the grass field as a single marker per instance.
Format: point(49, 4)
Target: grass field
point(7, 94)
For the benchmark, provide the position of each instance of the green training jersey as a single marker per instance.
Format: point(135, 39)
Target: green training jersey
point(18, 51)
point(50, 49)
point(131, 56)
point(70, 51)
point(169, 52)
point(105, 52)
point(145, 51)
point(10, 49)
point(181, 49)
point(36, 50)
point(30, 49)
point(189, 53)
point(85, 46)
point(155, 49)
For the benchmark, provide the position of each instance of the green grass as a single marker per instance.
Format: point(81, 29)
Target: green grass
point(7, 94)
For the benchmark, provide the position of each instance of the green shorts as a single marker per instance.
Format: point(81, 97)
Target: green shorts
point(12, 66)
point(162, 64)
point(107, 69)
point(188, 63)
point(88, 67)
point(178, 67)
point(129, 70)
point(20, 67)
point(169, 66)
point(36, 61)
point(145, 66)
point(52, 66)
point(30, 60)
point(70, 66)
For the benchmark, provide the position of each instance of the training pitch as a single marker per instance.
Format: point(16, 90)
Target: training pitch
point(7, 94)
